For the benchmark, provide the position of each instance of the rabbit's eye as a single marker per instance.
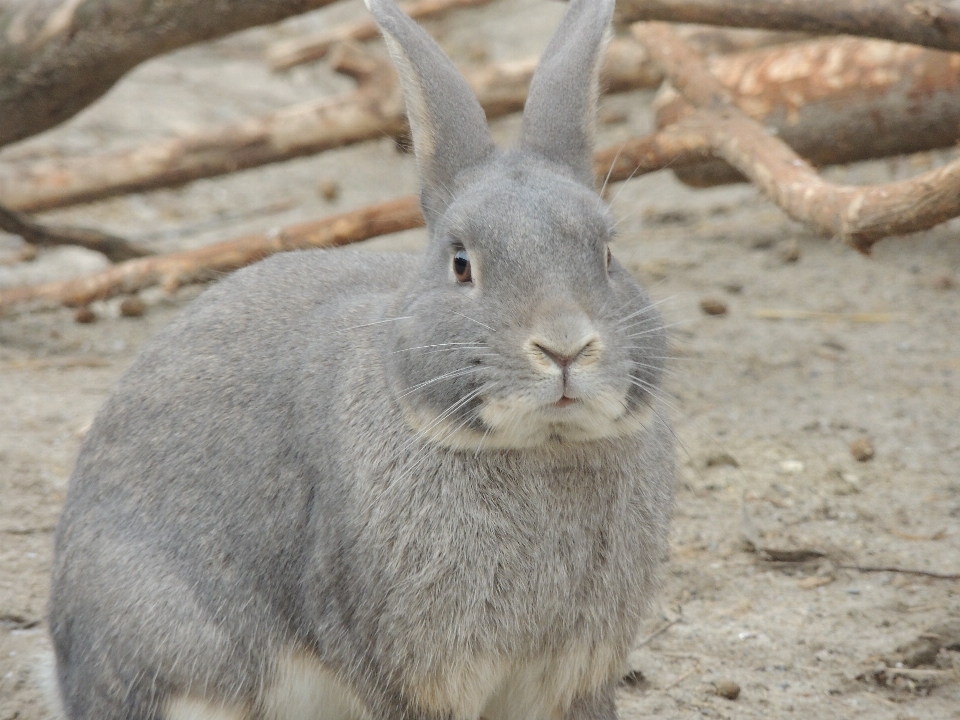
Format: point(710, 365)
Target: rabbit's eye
point(609, 258)
point(461, 266)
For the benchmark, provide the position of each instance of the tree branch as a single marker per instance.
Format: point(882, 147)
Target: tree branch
point(933, 23)
point(116, 249)
point(859, 215)
point(59, 56)
point(286, 54)
point(871, 98)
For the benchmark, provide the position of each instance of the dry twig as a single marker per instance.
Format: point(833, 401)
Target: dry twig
point(191, 266)
point(116, 249)
point(934, 23)
point(286, 54)
point(859, 215)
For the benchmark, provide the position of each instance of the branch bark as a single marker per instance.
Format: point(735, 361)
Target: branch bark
point(58, 56)
point(116, 249)
point(375, 109)
point(859, 215)
point(871, 98)
point(286, 54)
point(933, 23)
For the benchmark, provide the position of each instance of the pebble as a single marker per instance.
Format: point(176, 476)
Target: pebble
point(712, 306)
point(330, 189)
point(132, 307)
point(727, 689)
point(790, 252)
point(85, 315)
point(862, 449)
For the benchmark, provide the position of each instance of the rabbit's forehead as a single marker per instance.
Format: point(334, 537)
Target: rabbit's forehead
point(530, 213)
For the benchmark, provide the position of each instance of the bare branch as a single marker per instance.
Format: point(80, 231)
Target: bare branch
point(58, 56)
point(286, 54)
point(193, 266)
point(859, 215)
point(871, 98)
point(933, 23)
point(116, 249)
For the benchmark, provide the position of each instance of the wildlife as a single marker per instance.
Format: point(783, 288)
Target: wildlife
point(350, 485)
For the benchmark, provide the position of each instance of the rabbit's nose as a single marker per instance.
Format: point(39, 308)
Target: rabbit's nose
point(563, 355)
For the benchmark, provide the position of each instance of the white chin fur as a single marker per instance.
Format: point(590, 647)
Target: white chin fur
point(518, 422)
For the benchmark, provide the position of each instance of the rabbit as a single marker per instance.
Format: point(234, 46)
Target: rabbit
point(348, 485)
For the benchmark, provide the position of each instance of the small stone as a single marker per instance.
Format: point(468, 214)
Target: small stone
point(862, 449)
point(132, 306)
point(727, 689)
point(330, 189)
point(712, 306)
point(734, 288)
point(790, 252)
point(85, 315)
point(940, 282)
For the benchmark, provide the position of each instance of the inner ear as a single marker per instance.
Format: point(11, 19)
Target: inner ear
point(448, 126)
point(560, 113)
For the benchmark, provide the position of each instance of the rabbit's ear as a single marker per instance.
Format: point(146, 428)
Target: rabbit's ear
point(560, 114)
point(449, 127)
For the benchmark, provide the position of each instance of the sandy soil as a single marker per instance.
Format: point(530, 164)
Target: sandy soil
point(765, 409)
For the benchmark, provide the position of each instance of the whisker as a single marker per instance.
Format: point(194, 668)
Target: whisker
point(371, 324)
point(446, 376)
point(609, 173)
point(649, 307)
point(472, 320)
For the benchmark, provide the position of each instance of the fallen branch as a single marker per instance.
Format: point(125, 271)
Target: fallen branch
point(286, 54)
point(375, 109)
point(871, 98)
point(176, 269)
point(859, 215)
point(116, 249)
point(59, 56)
point(933, 23)
point(638, 156)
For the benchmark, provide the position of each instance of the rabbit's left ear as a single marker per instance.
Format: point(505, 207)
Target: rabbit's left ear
point(560, 114)
point(448, 125)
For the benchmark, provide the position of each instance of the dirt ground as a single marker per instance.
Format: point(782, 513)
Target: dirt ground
point(819, 348)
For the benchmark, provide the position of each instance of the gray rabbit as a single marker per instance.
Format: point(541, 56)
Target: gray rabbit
point(354, 485)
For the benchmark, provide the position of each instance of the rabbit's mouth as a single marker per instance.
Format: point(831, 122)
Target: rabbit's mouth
point(522, 422)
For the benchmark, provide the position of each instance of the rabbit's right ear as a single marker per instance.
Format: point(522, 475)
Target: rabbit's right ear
point(448, 125)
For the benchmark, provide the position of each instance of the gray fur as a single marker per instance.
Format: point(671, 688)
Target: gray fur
point(303, 463)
